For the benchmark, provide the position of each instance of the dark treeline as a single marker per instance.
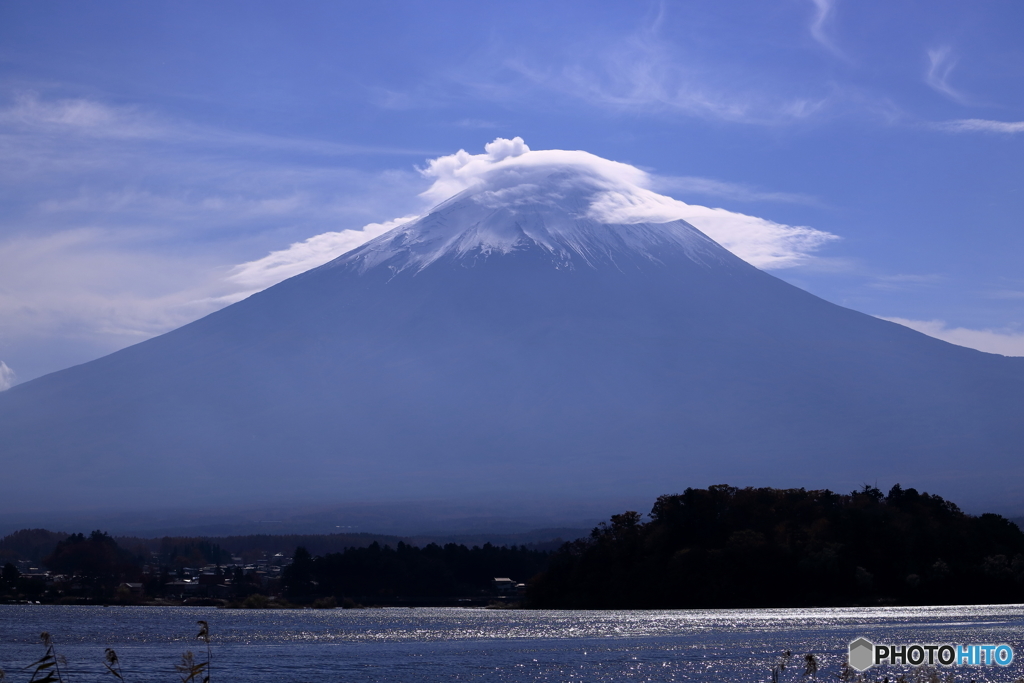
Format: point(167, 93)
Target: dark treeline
point(382, 573)
point(94, 567)
point(253, 546)
point(730, 547)
point(36, 544)
point(725, 547)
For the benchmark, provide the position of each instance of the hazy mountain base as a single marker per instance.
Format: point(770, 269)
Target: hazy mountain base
point(431, 519)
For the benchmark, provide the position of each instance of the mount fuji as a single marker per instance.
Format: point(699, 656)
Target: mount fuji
point(530, 338)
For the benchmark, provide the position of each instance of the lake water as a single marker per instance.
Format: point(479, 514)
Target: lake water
point(442, 644)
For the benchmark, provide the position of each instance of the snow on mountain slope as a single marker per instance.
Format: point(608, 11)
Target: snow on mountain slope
point(620, 193)
point(553, 211)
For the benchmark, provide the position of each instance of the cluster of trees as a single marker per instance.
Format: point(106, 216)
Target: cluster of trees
point(96, 561)
point(754, 547)
point(380, 573)
point(29, 544)
point(94, 565)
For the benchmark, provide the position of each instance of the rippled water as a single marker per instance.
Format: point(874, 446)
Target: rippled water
point(447, 644)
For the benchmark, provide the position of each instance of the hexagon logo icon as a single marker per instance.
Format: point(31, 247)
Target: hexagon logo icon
point(862, 654)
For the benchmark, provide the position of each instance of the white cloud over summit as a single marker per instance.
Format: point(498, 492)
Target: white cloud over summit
point(625, 197)
point(509, 167)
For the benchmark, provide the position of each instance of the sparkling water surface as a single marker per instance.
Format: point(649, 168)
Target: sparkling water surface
point(451, 644)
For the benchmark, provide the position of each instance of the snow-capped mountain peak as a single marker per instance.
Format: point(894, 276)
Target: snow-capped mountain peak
point(573, 207)
point(533, 185)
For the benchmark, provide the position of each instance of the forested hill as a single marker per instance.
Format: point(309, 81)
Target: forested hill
point(760, 547)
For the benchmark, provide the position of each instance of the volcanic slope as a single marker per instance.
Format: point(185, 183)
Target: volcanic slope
point(513, 342)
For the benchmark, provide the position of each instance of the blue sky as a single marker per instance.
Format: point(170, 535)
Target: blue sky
point(149, 150)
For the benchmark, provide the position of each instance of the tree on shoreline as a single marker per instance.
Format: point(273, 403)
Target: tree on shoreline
point(94, 560)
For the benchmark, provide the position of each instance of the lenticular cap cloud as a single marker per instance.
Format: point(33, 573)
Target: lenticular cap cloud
point(506, 163)
point(620, 194)
point(509, 171)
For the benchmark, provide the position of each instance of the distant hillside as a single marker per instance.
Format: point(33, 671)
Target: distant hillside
point(35, 544)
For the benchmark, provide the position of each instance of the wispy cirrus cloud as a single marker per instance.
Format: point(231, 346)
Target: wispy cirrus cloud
point(29, 113)
point(79, 116)
point(7, 377)
point(1006, 294)
point(661, 69)
point(1004, 342)
point(711, 187)
point(824, 14)
point(941, 62)
point(982, 126)
point(650, 70)
point(904, 282)
point(642, 73)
